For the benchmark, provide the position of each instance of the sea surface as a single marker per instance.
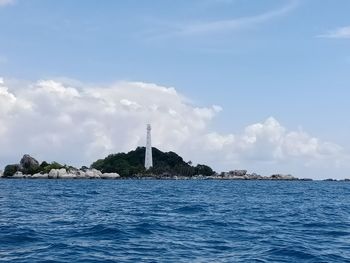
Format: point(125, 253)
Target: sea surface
point(174, 221)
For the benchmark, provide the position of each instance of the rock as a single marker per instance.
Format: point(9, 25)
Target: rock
point(72, 170)
point(77, 173)
point(28, 164)
point(282, 177)
point(67, 176)
point(1, 173)
point(18, 174)
point(61, 173)
point(329, 180)
point(53, 174)
point(93, 173)
point(84, 168)
point(39, 176)
point(255, 176)
point(80, 174)
point(110, 176)
point(238, 173)
point(10, 170)
point(57, 173)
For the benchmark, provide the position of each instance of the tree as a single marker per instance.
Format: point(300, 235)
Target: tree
point(132, 163)
point(204, 170)
point(10, 170)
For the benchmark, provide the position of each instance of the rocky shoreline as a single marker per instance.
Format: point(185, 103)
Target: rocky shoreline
point(86, 173)
point(95, 174)
point(29, 168)
point(65, 174)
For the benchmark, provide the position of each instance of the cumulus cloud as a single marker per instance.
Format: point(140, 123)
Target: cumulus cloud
point(79, 124)
point(342, 32)
point(270, 141)
point(57, 121)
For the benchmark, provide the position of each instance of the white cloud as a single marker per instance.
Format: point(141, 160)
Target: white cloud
point(56, 121)
point(6, 2)
point(342, 32)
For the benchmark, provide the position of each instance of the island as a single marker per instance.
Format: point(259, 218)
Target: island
point(166, 165)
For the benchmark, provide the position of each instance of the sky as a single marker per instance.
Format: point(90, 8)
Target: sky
point(236, 84)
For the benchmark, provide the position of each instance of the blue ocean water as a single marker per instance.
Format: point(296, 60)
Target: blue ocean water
point(174, 221)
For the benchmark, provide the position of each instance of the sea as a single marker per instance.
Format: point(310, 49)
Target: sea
point(174, 221)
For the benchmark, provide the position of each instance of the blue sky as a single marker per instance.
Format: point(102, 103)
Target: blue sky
point(281, 58)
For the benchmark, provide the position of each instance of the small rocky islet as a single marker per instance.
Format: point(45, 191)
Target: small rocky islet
point(167, 165)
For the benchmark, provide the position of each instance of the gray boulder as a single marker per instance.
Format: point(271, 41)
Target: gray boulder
point(81, 174)
point(67, 176)
point(61, 173)
point(93, 173)
point(53, 174)
point(109, 176)
point(10, 170)
point(18, 174)
point(39, 176)
point(238, 173)
point(282, 177)
point(28, 164)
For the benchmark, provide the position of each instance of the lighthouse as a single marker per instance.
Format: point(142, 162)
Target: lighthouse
point(148, 156)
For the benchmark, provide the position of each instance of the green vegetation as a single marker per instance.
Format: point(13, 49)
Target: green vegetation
point(125, 164)
point(11, 169)
point(44, 167)
point(47, 167)
point(165, 163)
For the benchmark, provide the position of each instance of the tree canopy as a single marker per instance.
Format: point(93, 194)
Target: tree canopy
point(132, 163)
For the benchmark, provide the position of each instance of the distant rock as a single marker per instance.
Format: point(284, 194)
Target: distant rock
point(61, 173)
point(109, 176)
point(330, 180)
point(11, 169)
point(238, 172)
point(80, 174)
point(53, 174)
point(282, 177)
point(28, 164)
point(70, 173)
point(39, 176)
point(18, 175)
point(255, 176)
point(67, 176)
point(306, 179)
point(93, 173)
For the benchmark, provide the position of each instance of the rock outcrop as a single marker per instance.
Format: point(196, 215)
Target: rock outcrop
point(11, 169)
point(38, 176)
point(282, 177)
point(30, 168)
point(243, 175)
point(68, 174)
point(238, 173)
point(28, 164)
point(109, 176)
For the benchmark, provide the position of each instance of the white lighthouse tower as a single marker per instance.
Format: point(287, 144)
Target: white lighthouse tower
point(148, 157)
